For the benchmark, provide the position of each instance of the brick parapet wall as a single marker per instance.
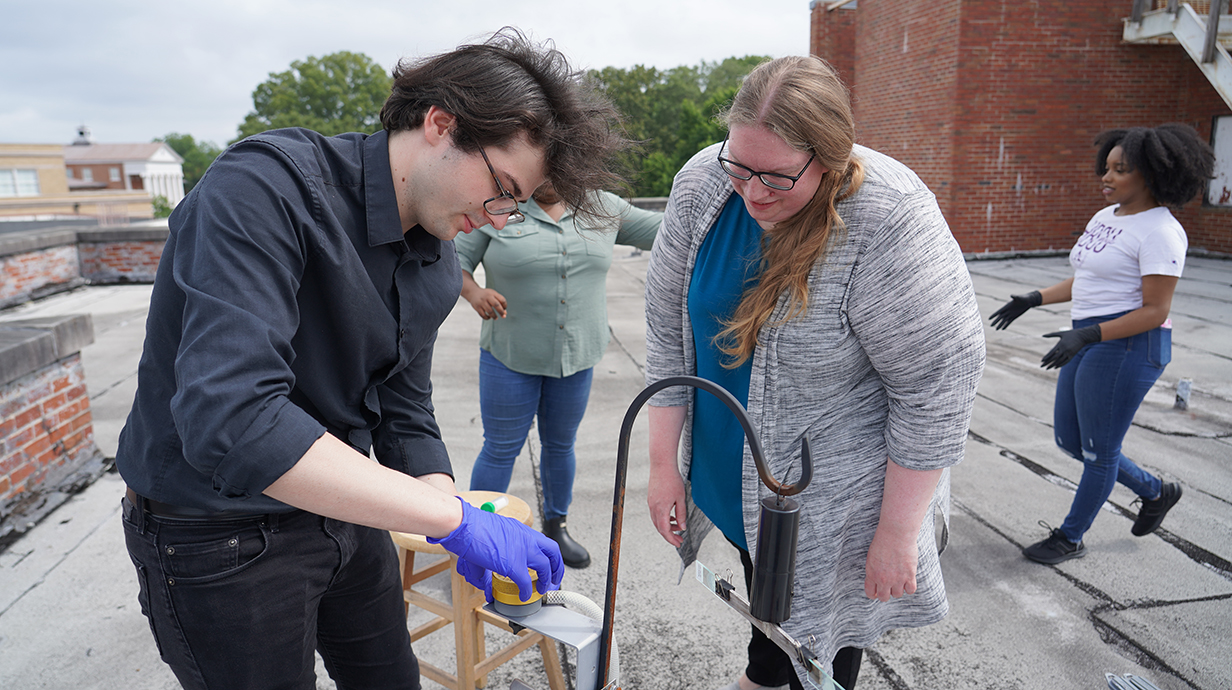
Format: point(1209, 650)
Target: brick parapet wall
point(996, 106)
point(113, 255)
point(46, 431)
point(28, 274)
point(40, 262)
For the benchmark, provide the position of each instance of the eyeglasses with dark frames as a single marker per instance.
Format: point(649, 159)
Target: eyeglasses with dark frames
point(503, 203)
point(777, 181)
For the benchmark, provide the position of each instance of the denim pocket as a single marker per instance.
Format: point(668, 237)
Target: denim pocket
point(212, 556)
point(1159, 347)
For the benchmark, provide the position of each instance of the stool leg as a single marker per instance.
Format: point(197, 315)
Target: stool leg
point(406, 564)
point(551, 663)
point(477, 600)
point(464, 629)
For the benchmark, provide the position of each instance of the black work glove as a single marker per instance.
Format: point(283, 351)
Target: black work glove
point(1016, 307)
point(1071, 343)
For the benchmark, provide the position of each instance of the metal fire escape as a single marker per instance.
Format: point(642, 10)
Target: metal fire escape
point(1205, 38)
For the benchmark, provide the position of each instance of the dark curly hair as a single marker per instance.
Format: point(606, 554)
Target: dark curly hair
point(507, 86)
point(1174, 160)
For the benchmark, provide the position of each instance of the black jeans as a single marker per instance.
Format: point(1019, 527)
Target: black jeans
point(243, 603)
point(770, 666)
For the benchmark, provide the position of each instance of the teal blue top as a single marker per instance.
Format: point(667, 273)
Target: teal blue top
point(553, 275)
point(727, 264)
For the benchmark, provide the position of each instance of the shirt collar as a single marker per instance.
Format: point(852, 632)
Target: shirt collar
point(532, 209)
point(381, 203)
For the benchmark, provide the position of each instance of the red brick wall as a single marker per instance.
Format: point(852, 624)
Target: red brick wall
point(1208, 227)
point(45, 425)
point(996, 106)
point(110, 262)
point(906, 72)
point(23, 274)
point(60, 259)
point(832, 37)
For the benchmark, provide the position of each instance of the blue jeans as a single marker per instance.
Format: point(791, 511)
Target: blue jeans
point(1098, 393)
point(508, 402)
point(242, 604)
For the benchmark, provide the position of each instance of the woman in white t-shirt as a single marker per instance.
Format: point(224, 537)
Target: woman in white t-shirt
point(1126, 266)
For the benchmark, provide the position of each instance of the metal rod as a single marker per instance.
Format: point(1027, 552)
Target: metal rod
point(1139, 9)
point(622, 471)
point(775, 633)
point(1212, 31)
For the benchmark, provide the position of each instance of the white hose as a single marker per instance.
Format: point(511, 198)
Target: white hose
point(590, 609)
point(575, 601)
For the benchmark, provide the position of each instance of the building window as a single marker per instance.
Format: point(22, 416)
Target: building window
point(87, 174)
point(1219, 190)
point(69, 173)
point(19, 183)
point(115, 174)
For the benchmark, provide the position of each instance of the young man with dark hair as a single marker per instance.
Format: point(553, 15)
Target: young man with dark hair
point(290, 336)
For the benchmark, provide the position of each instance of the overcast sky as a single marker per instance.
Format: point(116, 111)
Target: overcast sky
point(133, 70)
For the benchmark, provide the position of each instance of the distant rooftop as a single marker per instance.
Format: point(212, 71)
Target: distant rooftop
point(98, 153)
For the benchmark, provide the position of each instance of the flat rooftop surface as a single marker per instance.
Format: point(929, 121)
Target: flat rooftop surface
point(1159, 607)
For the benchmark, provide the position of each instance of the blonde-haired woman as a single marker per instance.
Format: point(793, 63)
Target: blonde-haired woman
point(818, 282)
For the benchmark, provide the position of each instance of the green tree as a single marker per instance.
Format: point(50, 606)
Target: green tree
point(337, 93)
point(729, 73)
point(672, 112)
point(197, 155)
point(162, 207)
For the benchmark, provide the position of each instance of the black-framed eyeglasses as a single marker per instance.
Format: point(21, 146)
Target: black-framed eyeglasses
point(503, 203)
point(777, 181)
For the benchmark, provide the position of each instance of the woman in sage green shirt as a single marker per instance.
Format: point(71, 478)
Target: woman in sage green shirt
point(544, 307)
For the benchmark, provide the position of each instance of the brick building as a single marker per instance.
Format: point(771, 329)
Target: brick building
point(996, 106)
point(154, 168)
point(34, 187)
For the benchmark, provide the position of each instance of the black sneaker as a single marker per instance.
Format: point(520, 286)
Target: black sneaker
point(1152, 513)
point(1055, 549)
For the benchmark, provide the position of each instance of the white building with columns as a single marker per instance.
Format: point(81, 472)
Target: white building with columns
point(154, 168)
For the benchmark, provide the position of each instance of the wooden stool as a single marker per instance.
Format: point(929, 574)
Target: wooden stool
point(466, 610)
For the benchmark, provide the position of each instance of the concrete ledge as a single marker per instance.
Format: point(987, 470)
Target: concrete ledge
point(28, 345)
point(123, 234)
point(34, 240)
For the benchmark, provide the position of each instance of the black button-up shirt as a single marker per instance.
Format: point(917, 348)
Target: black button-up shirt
point(288, 303)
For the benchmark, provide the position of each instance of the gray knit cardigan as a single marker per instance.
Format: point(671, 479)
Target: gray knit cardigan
point(884, 364)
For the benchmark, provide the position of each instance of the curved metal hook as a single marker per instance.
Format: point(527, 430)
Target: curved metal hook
point(622, 465)
point(759, 458)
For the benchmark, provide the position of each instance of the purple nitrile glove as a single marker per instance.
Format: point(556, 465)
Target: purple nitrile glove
point(490, 542)
point(479, 577)
point(1071, 342)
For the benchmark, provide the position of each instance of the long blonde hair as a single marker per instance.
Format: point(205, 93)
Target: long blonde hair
point(802, 101)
